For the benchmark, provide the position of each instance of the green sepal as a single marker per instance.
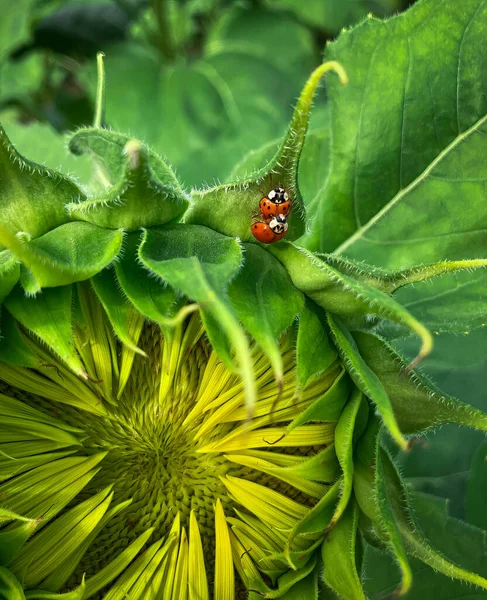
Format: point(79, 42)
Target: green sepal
point(391, 280)
point(48, 316)
point(151, 298)
point(10, 586)
point(9, 273)
point(350, 427)
point(138, 198)
point(316, 520)
point(15, 348)
point(323, 466)
point(12, 540)
point(107, 148)
point(286, 582)
point(266, 302)
point(385, 496)
point(365, 379)
point(338, 551)
point(339, 294)
point(229, 208)
point(464, 310)
point(9, 515)
point(401, 508)
point(70, 253)
point(314, 351)
point(306, 589)
point(33, 197)
point(76, 594)
point(417, 404)
point(364, 469)
point(328, 406)
point(200, 263)
point(124, 318)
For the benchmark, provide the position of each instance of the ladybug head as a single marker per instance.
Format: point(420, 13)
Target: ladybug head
point(279, 224)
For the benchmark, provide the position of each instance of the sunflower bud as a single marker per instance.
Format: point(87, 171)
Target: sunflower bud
point(186, 413)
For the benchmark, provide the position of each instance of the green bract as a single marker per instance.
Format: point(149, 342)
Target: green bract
point(187, 413)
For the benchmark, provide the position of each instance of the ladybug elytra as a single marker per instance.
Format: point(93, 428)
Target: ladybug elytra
point(268, 233)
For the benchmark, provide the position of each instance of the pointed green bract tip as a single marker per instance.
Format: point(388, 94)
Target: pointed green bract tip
point(211, 207)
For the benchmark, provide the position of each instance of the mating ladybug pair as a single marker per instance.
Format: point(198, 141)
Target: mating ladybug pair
point(274, 208)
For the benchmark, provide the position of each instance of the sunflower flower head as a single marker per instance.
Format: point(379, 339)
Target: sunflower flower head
point(187, 413)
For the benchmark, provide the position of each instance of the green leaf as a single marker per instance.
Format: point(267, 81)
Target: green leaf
point(205, 112)
point(335, 15)
point(465, 544)
point(48, 315)
point(138, 199)
point(409, 132)
point(210, 207)
point(43, 144)
point(409, 528)
point(477, 489)
point(266, 302)
point(365, 379)
point(33, 197)
point(453, 303)
point(14, 26)
point(200, 263)
point(72, 252)
point(338, 552)
point(416, 403)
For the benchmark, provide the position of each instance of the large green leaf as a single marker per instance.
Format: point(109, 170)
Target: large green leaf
point(43, 145)
point(408, 137)
point(333, 15)
point(206, 114)
point(14, 24)
point(464, 544)
point(477, 489)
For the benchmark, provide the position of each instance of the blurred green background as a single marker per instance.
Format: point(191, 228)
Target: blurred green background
point(203, 82)
point(210, 84)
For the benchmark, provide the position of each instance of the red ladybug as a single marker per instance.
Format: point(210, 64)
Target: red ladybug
point(276, 203)
point(271, 232)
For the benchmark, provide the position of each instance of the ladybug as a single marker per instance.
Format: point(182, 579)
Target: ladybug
point(271, 232)
point(276, 203)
